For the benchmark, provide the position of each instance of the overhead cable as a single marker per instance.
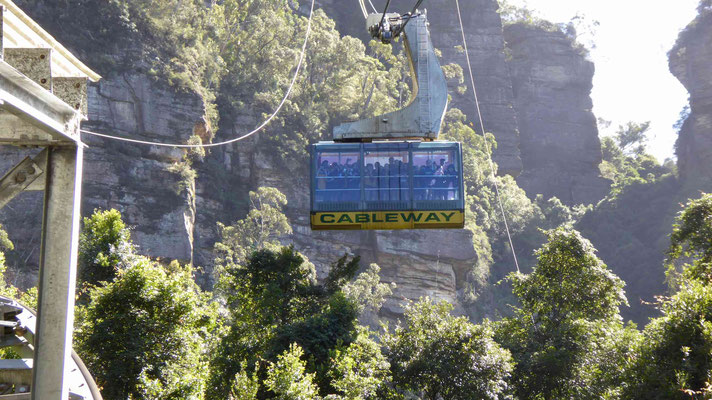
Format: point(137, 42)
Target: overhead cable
point(245, 136)
point(364, 11)
point(385, 10)
point(484, 135)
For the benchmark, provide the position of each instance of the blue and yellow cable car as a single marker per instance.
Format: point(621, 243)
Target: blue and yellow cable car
point(387, 185)
point(388, 172)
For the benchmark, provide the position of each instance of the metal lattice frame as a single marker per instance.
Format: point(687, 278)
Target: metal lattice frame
point(42, 103)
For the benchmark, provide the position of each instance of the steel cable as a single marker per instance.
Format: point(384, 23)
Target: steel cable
point(484, 135)
point(245, 136)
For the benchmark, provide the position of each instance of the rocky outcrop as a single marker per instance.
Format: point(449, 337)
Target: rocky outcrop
point(552, 81)
point(483, 32)
point(151, 186)
point(689, 61)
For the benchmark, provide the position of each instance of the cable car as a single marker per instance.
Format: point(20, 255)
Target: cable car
point(389, 172)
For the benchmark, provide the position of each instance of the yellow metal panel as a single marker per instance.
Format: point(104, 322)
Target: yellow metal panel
point(387, 220)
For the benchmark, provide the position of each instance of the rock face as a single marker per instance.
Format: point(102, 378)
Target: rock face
point(689, 61)
point(483, 32)
point(552, 82)
point(143, 182)
point(174, 213)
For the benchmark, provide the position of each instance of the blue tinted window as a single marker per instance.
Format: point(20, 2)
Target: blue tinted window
point(338, 176)
point(436, 174)
point(385, 173)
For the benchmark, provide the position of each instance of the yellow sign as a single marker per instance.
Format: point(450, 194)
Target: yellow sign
point(388, 220)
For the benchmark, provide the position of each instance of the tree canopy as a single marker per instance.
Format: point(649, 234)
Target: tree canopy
point(436, 355)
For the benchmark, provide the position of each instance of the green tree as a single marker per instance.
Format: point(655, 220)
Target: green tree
point(262, 227)
point(144, 335)
point(245, 386)
point(338, 82)
point(359, 370)
point(29, 297)
point(560, 336)
point(673, 360)
point(367, 290)
point(625, 160)
point(5, 288)
point(436, 355)
point(631, 137)
point(274, 300)
point(288, 379)
point(692, 239)
point(5, 242)
point(104, 247)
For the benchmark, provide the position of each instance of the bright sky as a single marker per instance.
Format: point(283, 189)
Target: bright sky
point(632, 80)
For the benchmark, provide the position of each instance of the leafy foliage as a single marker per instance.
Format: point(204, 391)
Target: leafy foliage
point(287, 377)
point(144, 335)
point(562, 332)
point(339, 80)
point(673, 358)
point(631, 137)
point(436, 355)
point(245, 387)
point(692, 238)
point(5, 242)
point(261, 228)
point(575, 29)
point(625, 160)
point(274, 301)
point(367, 290)
point(569, 282)
point(360, 369)
point(104, 247)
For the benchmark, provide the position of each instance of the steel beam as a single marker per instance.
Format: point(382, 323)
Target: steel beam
point(21, 177)
point(58, 268)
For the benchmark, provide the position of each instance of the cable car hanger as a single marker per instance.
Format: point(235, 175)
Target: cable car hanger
point(421, 118)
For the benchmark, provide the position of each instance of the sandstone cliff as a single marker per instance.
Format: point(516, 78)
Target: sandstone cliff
point(173, 213)
point(552, 82)
point(689, 61)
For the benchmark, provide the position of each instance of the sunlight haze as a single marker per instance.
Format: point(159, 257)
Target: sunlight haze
point(632, 81)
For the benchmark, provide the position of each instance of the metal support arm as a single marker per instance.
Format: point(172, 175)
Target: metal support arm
point(422, 117)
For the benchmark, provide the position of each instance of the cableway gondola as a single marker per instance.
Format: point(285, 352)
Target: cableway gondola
point(389, 172)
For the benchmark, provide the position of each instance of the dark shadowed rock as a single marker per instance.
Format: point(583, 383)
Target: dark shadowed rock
point(690, 61)
point(552, 81)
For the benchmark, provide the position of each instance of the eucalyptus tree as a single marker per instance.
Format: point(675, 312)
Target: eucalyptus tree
point(435, 355)
point(673, 360)
point(564, 334)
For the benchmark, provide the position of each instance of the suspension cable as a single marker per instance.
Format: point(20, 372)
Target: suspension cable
point(245, 136)
point(385, 10)
point(484, 135)
point(412, 13)
point(363, 8)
